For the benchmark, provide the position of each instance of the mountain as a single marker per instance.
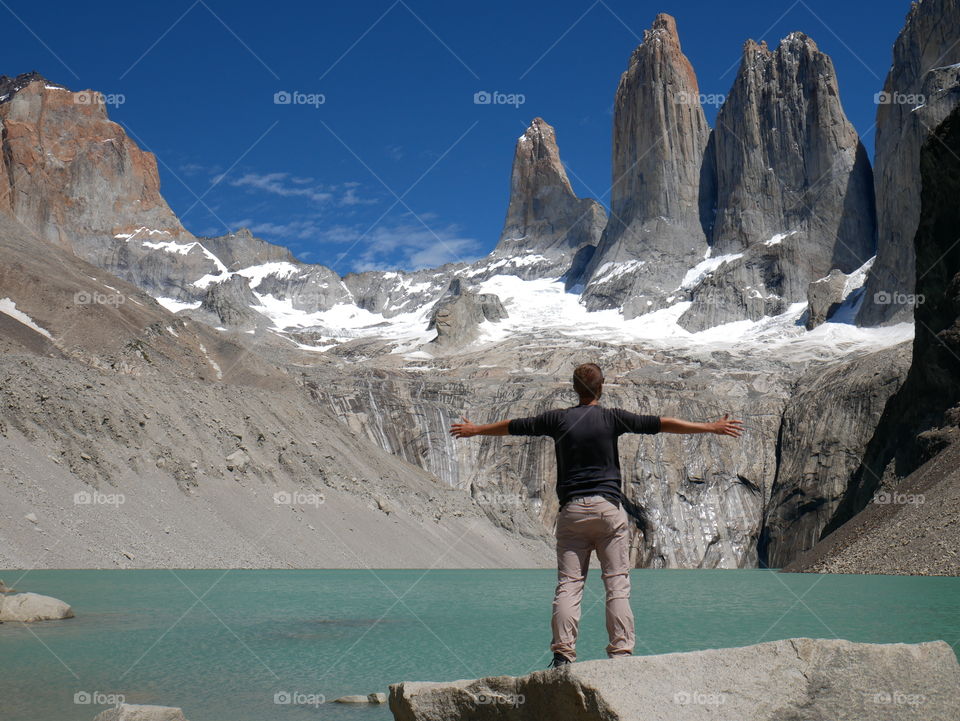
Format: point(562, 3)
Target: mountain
point(661, 193)
point(197, 366)
point(921, 88)
point(547, 227)
point(794, 186)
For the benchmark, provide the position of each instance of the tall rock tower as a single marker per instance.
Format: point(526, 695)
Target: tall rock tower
point(662, 196)
point(545, 220)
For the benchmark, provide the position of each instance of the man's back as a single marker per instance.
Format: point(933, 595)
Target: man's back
point(585, 439)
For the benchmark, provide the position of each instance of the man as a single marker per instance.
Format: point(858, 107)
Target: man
point(592, 515)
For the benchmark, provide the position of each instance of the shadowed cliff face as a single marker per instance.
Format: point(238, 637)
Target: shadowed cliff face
point(922, 417)
point(921, 88)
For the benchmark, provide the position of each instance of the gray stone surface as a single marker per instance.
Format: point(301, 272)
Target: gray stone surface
point(824, 297)
point(800, 678)
point(924, 64)
point(914, 446)
point(827, 424)
point(457, 316)
point(30, 607)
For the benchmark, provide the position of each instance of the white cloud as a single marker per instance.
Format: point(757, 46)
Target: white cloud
point(277, 184)
point(407, 245)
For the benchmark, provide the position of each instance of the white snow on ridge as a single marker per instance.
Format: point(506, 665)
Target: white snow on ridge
point(175, 306)
point(9, 308)
point(778, 238)
point(346, 321)
point(611, 270)
point(256, 273)
point(542, 306)
point(704, 268)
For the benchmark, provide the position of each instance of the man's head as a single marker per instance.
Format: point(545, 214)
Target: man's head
point(588, 381)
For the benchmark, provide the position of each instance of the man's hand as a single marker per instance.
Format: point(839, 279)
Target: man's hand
point(468, 429)
point(465, 429)
point(727, 426)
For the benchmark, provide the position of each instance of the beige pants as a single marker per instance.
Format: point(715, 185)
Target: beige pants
point(592, 523)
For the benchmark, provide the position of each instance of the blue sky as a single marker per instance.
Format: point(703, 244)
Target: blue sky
point(397, 166)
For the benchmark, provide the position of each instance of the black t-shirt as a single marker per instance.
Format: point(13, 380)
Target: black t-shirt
point(585, 439)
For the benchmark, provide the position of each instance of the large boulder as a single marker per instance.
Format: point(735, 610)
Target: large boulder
point(457, 316)
point(800, 678)
point(29, 607)
point(131, 712)
point(824, 296)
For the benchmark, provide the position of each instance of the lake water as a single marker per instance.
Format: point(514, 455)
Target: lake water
point(226, 645)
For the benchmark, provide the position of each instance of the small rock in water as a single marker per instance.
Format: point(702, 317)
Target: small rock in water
point(130, 712)
point(376, 698)
point(30, 607)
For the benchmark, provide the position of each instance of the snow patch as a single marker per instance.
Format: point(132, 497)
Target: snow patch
point(175, 306)
point(778, 238)
point(704, 268)
point(8, 307)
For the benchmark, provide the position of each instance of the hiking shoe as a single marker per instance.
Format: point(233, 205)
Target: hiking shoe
point(559, 660)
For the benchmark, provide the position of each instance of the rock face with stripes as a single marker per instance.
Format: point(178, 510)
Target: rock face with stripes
point(921, 88)
point(794, 186)
point(661, 192)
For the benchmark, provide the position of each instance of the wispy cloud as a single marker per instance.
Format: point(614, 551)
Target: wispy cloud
point(404, 245)
point(280, 184)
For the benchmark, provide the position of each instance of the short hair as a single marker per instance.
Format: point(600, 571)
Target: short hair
point(587, 379)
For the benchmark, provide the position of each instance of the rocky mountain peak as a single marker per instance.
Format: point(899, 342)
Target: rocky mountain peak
point(9, 86)
point(545, 219)
point(660, 136)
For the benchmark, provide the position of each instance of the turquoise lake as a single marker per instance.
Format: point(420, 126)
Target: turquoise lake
point(227, 645)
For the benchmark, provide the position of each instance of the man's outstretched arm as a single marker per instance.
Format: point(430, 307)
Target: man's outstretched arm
point(726, 426)
point(468, 429)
